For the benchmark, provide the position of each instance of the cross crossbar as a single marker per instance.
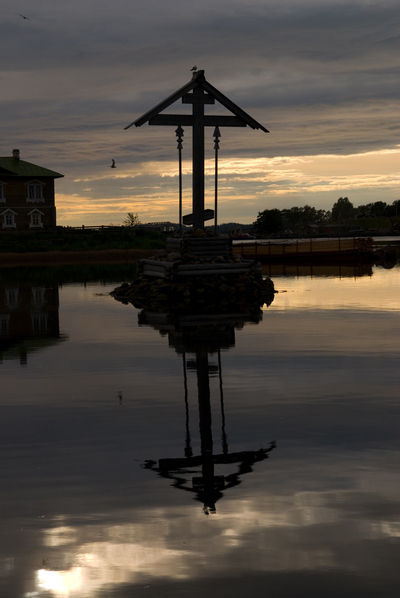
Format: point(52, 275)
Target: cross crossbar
point(186, 120)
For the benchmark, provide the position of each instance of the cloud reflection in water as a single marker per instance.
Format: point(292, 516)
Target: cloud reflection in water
point(83, 519)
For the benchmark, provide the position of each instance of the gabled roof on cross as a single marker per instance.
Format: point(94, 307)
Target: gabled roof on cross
point(199, 80)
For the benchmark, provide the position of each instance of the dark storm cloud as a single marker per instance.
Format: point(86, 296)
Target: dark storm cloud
point(268, 54)
point(238, 39)
point(327, 32)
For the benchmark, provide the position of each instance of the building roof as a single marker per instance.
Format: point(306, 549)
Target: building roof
point(199, 80)
point(16, 167)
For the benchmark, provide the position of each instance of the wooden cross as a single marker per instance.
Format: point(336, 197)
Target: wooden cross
point(198, 92)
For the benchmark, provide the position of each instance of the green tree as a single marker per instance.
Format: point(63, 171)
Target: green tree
point(391, 211)
point(131, 219)
point(378, 208)
point(268, 222)
point(342, 210)
point(298, 218)
point(363, 211)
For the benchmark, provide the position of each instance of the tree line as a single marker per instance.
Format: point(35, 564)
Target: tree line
point(343, 212)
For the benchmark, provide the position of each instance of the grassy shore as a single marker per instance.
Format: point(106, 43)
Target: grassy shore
point(76, 248)
point(101, 256)
point(82, 240)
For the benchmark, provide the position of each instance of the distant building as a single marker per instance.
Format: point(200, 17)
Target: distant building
point(335, 229)
point(163, 227)
point(312, 229)
point(27, 201)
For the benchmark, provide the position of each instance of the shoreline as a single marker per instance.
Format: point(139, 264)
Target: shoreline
point(45, 258)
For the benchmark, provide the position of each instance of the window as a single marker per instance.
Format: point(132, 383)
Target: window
point(9, 219)
point(38, 296)
point(35, 192)
point(39, 322)
point(36, 219)
point(4, 325)
point(11, 297)
point(2, 198)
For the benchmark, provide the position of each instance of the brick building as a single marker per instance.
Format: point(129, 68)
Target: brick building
point(27, 201)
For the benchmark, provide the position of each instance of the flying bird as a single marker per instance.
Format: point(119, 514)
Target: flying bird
point(194, 68)
point(113, 164)
point(23, 17)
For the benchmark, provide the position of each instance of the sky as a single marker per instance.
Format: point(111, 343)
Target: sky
point(320, 75)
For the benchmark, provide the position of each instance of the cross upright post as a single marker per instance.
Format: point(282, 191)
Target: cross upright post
point(198, 98)
point(198, 158)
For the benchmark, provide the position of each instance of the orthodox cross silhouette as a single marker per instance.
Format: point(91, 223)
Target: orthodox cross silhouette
point(198, 92)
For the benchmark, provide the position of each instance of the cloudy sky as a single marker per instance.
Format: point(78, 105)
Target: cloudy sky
point(319, 74)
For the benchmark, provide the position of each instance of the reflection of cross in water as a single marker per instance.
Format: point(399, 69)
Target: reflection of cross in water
point(208, 487)
point(188, 446)
point(224, 438)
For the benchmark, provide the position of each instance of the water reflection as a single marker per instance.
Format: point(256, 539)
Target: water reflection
point(203, 336)
point(28, 319)
point(299, 269)
point(81, 517)
point(352, 269)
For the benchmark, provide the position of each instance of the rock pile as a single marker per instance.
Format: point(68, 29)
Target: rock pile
point(165, 255)
point(198, 294)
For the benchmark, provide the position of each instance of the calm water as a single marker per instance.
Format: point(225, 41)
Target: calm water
point(142, 456)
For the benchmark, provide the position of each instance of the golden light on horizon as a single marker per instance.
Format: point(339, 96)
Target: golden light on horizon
point(248, 184)
point(335, 292)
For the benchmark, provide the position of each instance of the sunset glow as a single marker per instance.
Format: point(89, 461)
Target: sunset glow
point(246, 186)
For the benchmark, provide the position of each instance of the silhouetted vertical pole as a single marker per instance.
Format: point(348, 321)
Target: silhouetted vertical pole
point(188, 446)
point(198, 158)
point(217, 135)
point(203, 387)
point(221, 394)
point(179, 134)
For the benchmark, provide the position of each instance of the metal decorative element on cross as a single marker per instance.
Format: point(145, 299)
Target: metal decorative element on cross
point(216, 136)
point(198, 92)
point(179, 134)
